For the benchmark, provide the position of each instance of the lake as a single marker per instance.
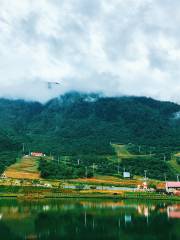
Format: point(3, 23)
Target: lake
point(89, 220)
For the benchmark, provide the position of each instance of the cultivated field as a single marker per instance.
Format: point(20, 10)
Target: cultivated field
point(25, 168)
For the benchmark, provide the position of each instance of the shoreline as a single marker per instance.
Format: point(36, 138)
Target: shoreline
point(124, 196)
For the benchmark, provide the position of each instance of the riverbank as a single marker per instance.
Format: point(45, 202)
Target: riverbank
point(31, 193)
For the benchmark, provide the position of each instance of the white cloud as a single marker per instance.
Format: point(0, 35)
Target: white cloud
point(118, 47)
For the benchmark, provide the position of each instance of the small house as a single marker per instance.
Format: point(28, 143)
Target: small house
point(173, 187)
point(3, 176)
point(37, 154)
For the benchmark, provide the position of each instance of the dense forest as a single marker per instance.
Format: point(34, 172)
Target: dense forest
point(83, 126)
point(8, 151)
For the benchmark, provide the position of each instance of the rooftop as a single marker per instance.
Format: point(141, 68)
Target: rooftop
point(173, 184)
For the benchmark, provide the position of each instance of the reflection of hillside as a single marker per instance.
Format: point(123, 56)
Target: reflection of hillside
point(107, 204)
point(7, 233)
point(93, 207)
point(14, 213)
point(140, 209)
point(69, 218)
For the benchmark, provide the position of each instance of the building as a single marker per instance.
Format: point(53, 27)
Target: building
point(142, 186)
point(126, 174)
point(37, 154)
point(173, 187)
point(3, 176)
point(161, 187)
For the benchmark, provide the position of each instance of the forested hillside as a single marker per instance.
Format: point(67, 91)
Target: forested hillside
point(85, 125)
point(8, 150)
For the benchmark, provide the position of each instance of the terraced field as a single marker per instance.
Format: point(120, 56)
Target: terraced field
point(108, 180)
point(25, 168)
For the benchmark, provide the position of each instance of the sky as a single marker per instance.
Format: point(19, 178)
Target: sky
point(114, 47)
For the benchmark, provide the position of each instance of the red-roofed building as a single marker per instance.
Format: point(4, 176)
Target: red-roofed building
point(173, 187)
point(37, 154)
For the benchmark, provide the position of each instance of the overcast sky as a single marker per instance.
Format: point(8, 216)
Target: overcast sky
point(117, 47)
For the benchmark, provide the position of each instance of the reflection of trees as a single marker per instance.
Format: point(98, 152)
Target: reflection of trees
point(77, 225)
point(84, 220)
point(158, 228)
point(6, 233)
point(83, 224)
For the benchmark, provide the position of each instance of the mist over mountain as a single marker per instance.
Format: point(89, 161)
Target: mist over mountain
point(87, 122)
point(115, 47)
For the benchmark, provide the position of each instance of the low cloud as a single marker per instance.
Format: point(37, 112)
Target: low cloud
point(115, 47)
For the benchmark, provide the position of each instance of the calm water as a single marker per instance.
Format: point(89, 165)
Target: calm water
point(85, 219)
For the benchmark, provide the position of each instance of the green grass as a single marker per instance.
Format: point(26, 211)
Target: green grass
point(174, 166)
point(123, 154)
point(121, 150)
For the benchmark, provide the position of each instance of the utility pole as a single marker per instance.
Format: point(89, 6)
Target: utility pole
point(23, 147)
point(150, 153)
point(78, 161)
point(118, 164)
point(165, 178)
point(145, 174)
point(29, 149)
point(86, 171)
point(124, 172)
point(65, 160)
point(118, 168)
point(93, 168)
point(177, 178)
point(164, 157)
point(139, 149)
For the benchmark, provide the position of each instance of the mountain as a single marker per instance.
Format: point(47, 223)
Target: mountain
point(78, 124)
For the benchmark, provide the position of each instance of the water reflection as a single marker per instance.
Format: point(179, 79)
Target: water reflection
point(173, 211)
point(83, 219)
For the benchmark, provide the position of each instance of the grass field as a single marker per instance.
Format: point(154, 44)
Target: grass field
point(123, 153)
point(175, 166)
point(24, 168)
point(111, 181)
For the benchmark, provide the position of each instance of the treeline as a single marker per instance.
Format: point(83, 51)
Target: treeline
point(8, 151)
point(57, 170)
point(156, 168)
point(90, 165)
point(6, 159)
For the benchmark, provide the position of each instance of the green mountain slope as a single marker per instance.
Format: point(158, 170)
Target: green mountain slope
point(82, 126)
point(8, 151)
